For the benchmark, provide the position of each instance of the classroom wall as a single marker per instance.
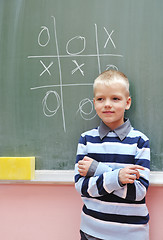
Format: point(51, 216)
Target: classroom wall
point(52, 212)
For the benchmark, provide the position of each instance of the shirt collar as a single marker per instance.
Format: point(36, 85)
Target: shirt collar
point(121, 131)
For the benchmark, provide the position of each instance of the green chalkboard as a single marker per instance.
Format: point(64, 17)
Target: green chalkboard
point(50, 53)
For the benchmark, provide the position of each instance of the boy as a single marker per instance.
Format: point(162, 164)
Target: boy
point(112, 167)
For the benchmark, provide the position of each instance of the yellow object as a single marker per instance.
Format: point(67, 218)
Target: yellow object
point(17, 168)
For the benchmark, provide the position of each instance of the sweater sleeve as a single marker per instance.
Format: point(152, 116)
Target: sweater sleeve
point(97, 168)
point(98, 185)
point(137, 190)
point(103, 182)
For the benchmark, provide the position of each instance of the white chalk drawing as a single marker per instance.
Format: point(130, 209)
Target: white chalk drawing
point(87, 115)
point(63, 85)
point(111, 66)
point(97, 49)
point(46, 31)
point(109, 38)
point(71, 41)
point(78, 67)
point(47, 111)
point(46, 68)
point(44, 38)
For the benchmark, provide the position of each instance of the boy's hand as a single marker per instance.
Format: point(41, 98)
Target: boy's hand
point(129, 174)
point(83, 165)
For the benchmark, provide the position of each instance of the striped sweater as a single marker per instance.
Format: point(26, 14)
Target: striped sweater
point(111, 211)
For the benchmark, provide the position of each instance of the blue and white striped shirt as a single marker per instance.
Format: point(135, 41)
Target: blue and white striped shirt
point(111, 211)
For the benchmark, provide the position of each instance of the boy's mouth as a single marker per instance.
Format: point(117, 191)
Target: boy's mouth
point(108, 112)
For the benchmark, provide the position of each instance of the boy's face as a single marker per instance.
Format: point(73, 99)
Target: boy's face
point(111, 102)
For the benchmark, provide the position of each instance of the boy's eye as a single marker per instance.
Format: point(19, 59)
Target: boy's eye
point(116, 99)
point(99, 99)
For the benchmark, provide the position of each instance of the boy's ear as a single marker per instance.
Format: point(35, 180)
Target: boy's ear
point(128, 103)
point(94, 102)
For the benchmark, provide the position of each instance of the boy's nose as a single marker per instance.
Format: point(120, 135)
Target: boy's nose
point(108, 103)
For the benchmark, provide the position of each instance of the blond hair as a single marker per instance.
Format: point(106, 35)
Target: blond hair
point(109, 76)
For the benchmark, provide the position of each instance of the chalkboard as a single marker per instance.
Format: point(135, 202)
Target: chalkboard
point(50, 53)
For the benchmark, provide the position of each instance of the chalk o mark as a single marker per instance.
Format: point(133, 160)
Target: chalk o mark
point(46, 30)
point(72, 39)
point(83, 113)
point(48, 112)
point(111, 67)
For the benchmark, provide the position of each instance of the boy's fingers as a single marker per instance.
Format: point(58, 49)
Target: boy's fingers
point(131, 181)
point(137, 175)
point(82, 172)
point(87, 158)
point(81, 166)
point(81, 162)
point(135, 172)
point(132, 177)
point(137, 167)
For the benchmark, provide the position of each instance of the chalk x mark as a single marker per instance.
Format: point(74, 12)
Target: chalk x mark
point(78, 68)
point(109, 38)
point(46, 68)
